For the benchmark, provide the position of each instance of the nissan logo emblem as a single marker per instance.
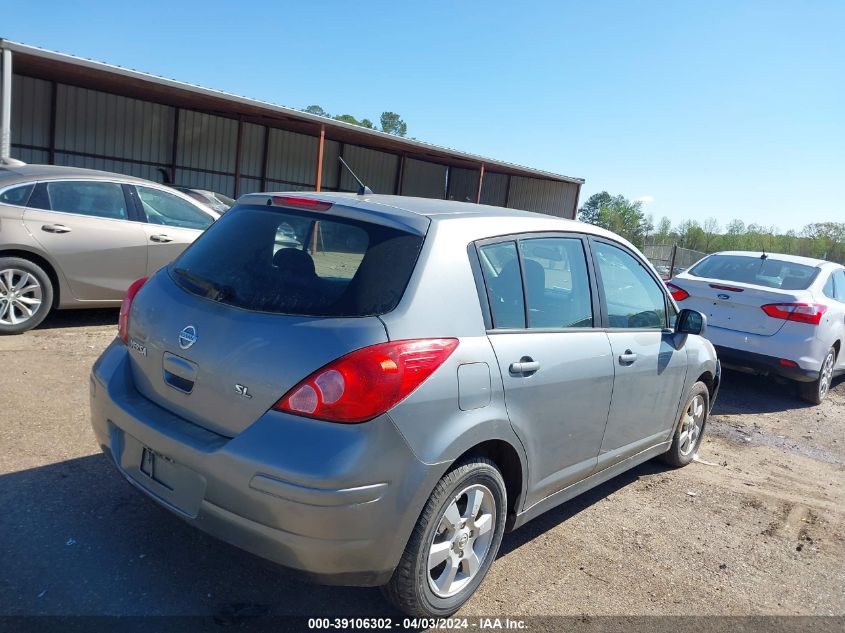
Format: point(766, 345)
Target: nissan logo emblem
point(187, 337)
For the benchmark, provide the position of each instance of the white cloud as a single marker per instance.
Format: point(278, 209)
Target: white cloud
point(645, 199)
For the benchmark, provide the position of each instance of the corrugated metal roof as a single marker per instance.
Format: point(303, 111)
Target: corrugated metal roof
point(377, 138)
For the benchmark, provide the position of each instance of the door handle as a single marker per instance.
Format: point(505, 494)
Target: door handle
point(627, 358)
point(526, 365)
point(55, 228)
point(161, 238)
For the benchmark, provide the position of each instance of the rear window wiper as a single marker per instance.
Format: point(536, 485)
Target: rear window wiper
point(212, 291)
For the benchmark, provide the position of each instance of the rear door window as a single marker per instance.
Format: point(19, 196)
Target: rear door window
point(839, 281)
point(17, 196)
point(287, 261)
point(500, 267)
point(829, 289)
point(557, 286)
point(91, 198)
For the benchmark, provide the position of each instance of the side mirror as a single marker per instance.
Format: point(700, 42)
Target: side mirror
point(691, 322)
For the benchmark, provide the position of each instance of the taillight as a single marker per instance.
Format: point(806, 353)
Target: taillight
point(678, 294)
point(802, 312)
point(125, 307)
point(367, 382)
point(297, 202)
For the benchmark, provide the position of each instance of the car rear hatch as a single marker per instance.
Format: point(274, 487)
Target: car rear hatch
point(245, 313)
point(736, 305)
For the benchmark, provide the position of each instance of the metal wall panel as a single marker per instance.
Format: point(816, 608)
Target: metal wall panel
point(30, 111)
point(292, 158)
point(116, 133)
point(250, 185)
point(494, 189)
point(543, 196)
point(331, 165)
point(206, 141)
point(203, 180)
point(463, 184)
point(32, 156)
point(104, 124)
point(252, 150)
point(275, 185)
point(376, 169)
point(140, 170)
point(423, 179)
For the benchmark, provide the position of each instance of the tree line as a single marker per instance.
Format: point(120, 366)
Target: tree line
point(390, 122)
point(823, 240)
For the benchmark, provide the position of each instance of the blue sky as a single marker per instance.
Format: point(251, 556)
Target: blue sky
point(727, 109)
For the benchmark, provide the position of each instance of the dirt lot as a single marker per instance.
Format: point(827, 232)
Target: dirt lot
point(756, 527)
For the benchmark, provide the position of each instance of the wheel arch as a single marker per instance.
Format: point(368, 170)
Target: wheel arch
point(708, 379)
point(42, 262)
point(509, 462)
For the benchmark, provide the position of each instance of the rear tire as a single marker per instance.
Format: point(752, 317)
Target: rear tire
point(452, 546)
point(816, 391)
point(26, 295)
point(690, 429)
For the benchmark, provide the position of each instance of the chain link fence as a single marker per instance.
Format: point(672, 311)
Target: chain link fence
point(670, 259)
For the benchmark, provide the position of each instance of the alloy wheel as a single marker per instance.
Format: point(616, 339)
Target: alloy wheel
point(692, 424)
point(21, 295)
point(826, 375)
point(461, 540)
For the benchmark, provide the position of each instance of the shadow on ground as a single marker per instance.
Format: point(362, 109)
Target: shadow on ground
point(77, 539)
point(558, 515)
point(742, 393)
point(79, 318)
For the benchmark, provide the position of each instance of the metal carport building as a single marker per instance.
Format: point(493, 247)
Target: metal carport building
point(66, 110)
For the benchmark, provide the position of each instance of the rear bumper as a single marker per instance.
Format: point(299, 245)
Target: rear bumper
point(762, 364)
point(759, 354)
point(335, 502)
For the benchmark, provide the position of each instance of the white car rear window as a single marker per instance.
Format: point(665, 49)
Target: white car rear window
point(760, 271)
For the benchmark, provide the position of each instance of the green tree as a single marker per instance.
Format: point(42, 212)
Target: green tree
point(617, 214)
point(315, 109)
point(663, 234)
point(690, 235)
point(589, 211)
point(392, 123)
point(347, 118)
point(711, 232)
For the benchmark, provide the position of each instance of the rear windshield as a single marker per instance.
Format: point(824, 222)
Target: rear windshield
point(768, 272)
point(271, 259)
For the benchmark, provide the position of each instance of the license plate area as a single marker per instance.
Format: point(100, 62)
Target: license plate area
point(162, 476)
point(155, 466)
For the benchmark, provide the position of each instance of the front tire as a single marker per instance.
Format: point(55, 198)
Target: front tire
point(454, 542)
point(690, 429)
point(26, 295)
point(816, 391)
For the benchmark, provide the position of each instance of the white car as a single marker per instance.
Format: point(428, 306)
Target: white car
point(771, 314)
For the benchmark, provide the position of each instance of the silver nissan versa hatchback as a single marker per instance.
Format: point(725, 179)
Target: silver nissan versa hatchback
point(378, 400)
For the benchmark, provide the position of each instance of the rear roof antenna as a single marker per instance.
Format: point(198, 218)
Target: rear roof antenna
point(363, 189)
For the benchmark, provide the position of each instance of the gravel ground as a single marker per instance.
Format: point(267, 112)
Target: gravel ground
point(757, 526)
